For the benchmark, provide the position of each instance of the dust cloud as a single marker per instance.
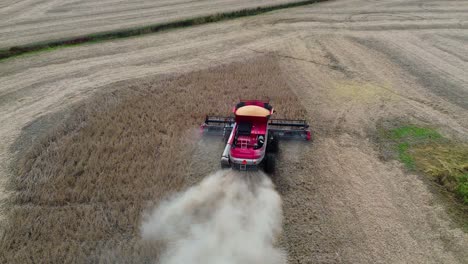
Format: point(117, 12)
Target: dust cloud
point(228, 218)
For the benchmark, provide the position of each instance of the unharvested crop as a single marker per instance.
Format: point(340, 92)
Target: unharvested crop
point(79, 193)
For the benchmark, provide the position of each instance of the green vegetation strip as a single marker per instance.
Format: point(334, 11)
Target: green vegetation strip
point(125, 33)
point(425, 150)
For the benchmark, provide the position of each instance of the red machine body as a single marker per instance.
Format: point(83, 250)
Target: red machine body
point(252, 136)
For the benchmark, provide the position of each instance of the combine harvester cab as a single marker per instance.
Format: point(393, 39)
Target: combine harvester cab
point(252, 136)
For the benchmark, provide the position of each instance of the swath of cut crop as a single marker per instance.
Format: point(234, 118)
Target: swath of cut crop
point(230, 217)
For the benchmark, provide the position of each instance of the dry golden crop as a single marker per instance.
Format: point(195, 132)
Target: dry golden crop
point(80, 193)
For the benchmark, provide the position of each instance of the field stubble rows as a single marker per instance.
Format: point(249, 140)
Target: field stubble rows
point(27, 22)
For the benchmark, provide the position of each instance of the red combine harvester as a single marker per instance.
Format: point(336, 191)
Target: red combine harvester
point(251, 136)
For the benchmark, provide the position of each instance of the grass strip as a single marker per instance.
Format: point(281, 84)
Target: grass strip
point(131, 32)
point(424, 149)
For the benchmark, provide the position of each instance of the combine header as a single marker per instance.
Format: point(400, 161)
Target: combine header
point(251, 136)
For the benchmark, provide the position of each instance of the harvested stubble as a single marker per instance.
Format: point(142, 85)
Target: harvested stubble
point(80, 193)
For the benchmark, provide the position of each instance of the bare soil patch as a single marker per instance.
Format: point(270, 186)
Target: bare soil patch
point(80, 193)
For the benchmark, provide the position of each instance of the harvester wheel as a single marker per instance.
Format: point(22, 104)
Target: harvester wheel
point(270, 162)
point(225, 165)
point(272, 146)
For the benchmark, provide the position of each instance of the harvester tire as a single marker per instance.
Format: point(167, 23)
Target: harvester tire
point(272, 146)
point(270, 163)
point(225, 166)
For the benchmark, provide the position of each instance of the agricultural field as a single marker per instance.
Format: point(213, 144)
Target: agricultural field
point(25, 22)
point(98, 133)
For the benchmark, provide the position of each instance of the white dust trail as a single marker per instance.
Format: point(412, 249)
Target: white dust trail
point(229, 218)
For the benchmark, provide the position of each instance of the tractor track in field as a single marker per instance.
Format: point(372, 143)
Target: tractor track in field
point(351, 64)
